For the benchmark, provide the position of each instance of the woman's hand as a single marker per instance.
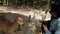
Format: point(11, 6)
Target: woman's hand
point(45, 28)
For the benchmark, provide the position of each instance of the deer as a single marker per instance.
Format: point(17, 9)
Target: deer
point(7, 25)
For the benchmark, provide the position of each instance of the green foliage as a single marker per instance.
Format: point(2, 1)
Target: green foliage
point(25, 2)
point(1, 2)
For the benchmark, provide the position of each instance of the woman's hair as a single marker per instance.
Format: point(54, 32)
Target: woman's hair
point(55, 7)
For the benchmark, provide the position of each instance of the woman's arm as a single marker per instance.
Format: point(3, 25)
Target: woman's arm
point(46, 30)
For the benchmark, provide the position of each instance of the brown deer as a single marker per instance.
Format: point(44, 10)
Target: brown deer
point(7, 25)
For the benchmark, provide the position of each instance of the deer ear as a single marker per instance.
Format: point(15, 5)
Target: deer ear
point(16, 19)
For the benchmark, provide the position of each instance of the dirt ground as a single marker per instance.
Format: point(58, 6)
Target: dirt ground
point(24, 11)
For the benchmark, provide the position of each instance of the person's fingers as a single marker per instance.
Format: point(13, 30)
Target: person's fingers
point(45, 28)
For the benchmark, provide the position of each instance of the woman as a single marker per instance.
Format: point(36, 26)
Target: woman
point(55, 23)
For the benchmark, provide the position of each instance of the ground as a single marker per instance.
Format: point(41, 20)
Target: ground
point(37, 14)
